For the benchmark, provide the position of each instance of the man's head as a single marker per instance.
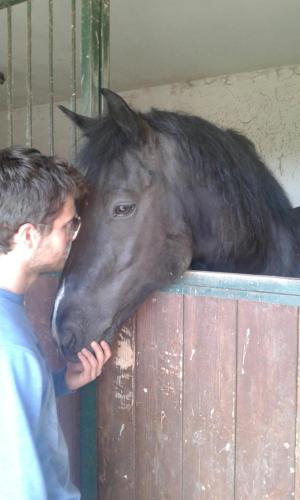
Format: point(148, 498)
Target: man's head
point(37, 205)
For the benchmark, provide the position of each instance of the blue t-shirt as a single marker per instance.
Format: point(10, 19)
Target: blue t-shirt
point(34, 462)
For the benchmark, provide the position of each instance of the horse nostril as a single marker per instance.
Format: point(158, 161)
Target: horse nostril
point(68, 343)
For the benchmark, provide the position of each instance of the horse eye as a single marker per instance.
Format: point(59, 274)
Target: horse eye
point(123, 210)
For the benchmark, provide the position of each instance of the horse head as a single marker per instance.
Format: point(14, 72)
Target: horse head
point(134, 237)
point(165, 189)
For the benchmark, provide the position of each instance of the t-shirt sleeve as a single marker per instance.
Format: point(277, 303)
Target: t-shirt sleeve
point(22, 391)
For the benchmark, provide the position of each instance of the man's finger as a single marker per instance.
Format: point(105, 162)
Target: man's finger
point(91, 362)
point(106, 350)
point(100, 356)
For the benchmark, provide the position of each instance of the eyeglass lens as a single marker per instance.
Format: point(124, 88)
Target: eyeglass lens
point(75, 224)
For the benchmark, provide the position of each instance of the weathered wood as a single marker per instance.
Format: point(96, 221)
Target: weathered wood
point(116, 420)
point(209, 398)
point(212, 403)
point(159, 398)
point(266, 401)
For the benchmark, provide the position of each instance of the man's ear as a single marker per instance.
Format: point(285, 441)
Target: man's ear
point(27, 236)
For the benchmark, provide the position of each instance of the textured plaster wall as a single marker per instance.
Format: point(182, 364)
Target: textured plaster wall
point(264, 105)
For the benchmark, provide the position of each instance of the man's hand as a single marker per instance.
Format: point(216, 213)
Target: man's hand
point(89, 366)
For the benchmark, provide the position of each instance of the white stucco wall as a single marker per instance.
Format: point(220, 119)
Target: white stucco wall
point(264, 105)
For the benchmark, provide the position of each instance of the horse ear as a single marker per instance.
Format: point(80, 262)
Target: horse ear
point(83, 122)
point(122, 114)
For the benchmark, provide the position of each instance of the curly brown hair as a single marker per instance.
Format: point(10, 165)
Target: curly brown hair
point(33, 188)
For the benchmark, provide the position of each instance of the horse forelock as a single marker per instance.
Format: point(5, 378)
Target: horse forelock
point(105, 142)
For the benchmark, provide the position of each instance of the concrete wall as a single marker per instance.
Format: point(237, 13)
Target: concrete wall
point(264, 105)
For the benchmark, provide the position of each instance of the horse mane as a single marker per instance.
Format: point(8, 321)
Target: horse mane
point(223, 157)
point(228, 165)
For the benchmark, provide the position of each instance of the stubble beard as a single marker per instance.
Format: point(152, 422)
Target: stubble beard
point(41, 264)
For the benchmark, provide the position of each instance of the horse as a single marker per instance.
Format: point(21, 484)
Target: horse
point(167, 191)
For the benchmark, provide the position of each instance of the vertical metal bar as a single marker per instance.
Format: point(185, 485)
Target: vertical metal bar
point(29, 78)
point(73, 138)
point(88, 57)
point(88, 442)
point(9, 78)
point(95, 73)
point(51, 80)
point(94, 53)
point(93, 29)
point(104, 69)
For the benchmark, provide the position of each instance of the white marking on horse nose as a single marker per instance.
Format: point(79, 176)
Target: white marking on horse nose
point(58, 299)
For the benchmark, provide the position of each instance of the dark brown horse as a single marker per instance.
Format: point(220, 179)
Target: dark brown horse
point(167, 191)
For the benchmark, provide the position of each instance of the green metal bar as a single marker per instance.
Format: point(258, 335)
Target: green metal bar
point(51, 80)
point(95, 74)
point(89, 56)
point(104, 70)
point(73, 135)
point(29, 78)
point(9, 3)
point(10, 115)
point(88, 442)
point(94, 53)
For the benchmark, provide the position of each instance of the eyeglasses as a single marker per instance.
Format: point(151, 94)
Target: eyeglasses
point(72, 227)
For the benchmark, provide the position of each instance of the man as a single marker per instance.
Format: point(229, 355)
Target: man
point(38, 223)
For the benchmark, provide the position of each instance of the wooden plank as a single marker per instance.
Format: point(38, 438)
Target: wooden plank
point(209, 398)
point(116, 420)
point(266, 401)
point(69, 417)
point(159, 398)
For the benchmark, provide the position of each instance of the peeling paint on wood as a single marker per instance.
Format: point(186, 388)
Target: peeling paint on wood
point(213, 407)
